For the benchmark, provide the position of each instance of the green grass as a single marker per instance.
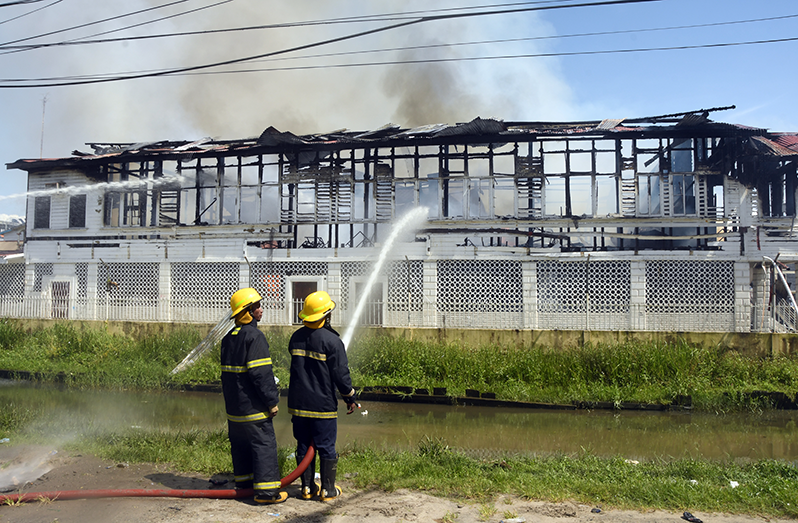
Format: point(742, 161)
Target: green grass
point(716, 379)
point(765, 487)
point(93, 357)
point(636, 372)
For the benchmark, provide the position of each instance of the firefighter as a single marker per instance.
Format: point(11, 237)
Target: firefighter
point(319, 369)
point(251, 398)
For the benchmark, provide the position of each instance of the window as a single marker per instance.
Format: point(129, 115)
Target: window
point(41, 215)
point(126, 209)
point(555, 196)
point(683, 194)
point(77, 211)
point(648, 199)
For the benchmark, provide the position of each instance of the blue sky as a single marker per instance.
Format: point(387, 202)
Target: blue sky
point(564, 85)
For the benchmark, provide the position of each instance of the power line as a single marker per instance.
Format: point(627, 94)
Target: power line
point(87, 24)
point(450, 44)
point(76, 41)
point(30, 12)
point(445, 60)
point(497, 57)
point(19, 2)
point(322, 43)
point(535, 38)
point(385, 17)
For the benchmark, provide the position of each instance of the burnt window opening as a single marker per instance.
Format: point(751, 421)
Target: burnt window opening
point(77, 211)
point(683, 187)
point(125, 209)
point(41, 213)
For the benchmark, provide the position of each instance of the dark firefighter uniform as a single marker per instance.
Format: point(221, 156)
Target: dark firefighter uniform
point(319, 369)
point(249, 393)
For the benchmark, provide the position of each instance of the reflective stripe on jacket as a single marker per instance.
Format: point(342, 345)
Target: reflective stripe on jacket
point(247, 378)
point(319, 369)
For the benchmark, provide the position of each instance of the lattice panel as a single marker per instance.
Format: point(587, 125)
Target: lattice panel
point(137, 282)
point(12, 280)
point(688, 286)
point(82, 274)
point(405, 293)
point(405, 286)
point(269, 278)
point(211, 283)
point(39, 272)
point(349, 270)
point(567, 287)
point(480, 286)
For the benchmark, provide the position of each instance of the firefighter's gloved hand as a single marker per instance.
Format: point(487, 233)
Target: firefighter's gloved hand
point(351, 403)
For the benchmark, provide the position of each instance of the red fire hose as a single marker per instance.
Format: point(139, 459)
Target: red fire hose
point(154, 493)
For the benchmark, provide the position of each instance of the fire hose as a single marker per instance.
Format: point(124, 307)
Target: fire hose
point(154, 493)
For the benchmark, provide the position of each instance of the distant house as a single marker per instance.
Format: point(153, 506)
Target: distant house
point(12, 239)
point(675, 223)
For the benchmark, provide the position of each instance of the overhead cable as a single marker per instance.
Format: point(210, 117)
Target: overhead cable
point(496, 57)
point(30, 12)
point(384, 17)
point(19, 2)
point(87, 24)
point(319, 43)
point(77, 41)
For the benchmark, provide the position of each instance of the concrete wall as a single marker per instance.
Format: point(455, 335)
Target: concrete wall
point(749, 344)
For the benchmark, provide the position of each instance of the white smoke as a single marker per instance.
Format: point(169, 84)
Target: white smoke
point(232, 106)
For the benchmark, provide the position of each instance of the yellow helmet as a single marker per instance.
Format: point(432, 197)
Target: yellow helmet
point(317, 305)
point(241, 299)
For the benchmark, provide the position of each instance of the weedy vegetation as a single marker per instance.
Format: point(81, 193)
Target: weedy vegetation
point(716, 379)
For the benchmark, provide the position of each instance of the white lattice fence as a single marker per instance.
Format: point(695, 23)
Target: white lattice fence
point(480, 294)
point(201, 291)
point(673, 295)
point(405, 293)
point(40, 271)
point(12, 280)
point(689, 295)
point(128, 291)
point(396, 300)
point(13, 302)
point(372, 312)
point(584, 295)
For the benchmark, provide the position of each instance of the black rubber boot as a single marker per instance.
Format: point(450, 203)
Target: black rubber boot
point(329, 490)
point(309, 486)
point(270, 498)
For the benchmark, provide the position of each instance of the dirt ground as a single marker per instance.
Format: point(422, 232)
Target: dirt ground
point(43, 470)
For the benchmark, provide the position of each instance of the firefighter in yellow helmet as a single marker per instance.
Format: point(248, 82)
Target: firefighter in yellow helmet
point(319, 370)
point(251, 398)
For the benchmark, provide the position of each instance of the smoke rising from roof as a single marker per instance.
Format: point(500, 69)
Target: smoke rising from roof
point(240, 105)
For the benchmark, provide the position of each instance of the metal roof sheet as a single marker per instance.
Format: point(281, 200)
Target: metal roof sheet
point(767, 146)
point(480, 129)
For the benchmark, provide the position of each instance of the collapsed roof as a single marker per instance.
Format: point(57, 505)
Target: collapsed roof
point(477, 131)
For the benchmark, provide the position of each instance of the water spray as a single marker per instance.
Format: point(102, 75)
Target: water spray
point(167, 179)
point(214, 336)
point(409, 222)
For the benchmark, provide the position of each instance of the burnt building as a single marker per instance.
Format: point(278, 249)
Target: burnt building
point(675, 223)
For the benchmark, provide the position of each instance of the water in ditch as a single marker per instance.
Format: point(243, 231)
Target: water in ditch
point(480, 431)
